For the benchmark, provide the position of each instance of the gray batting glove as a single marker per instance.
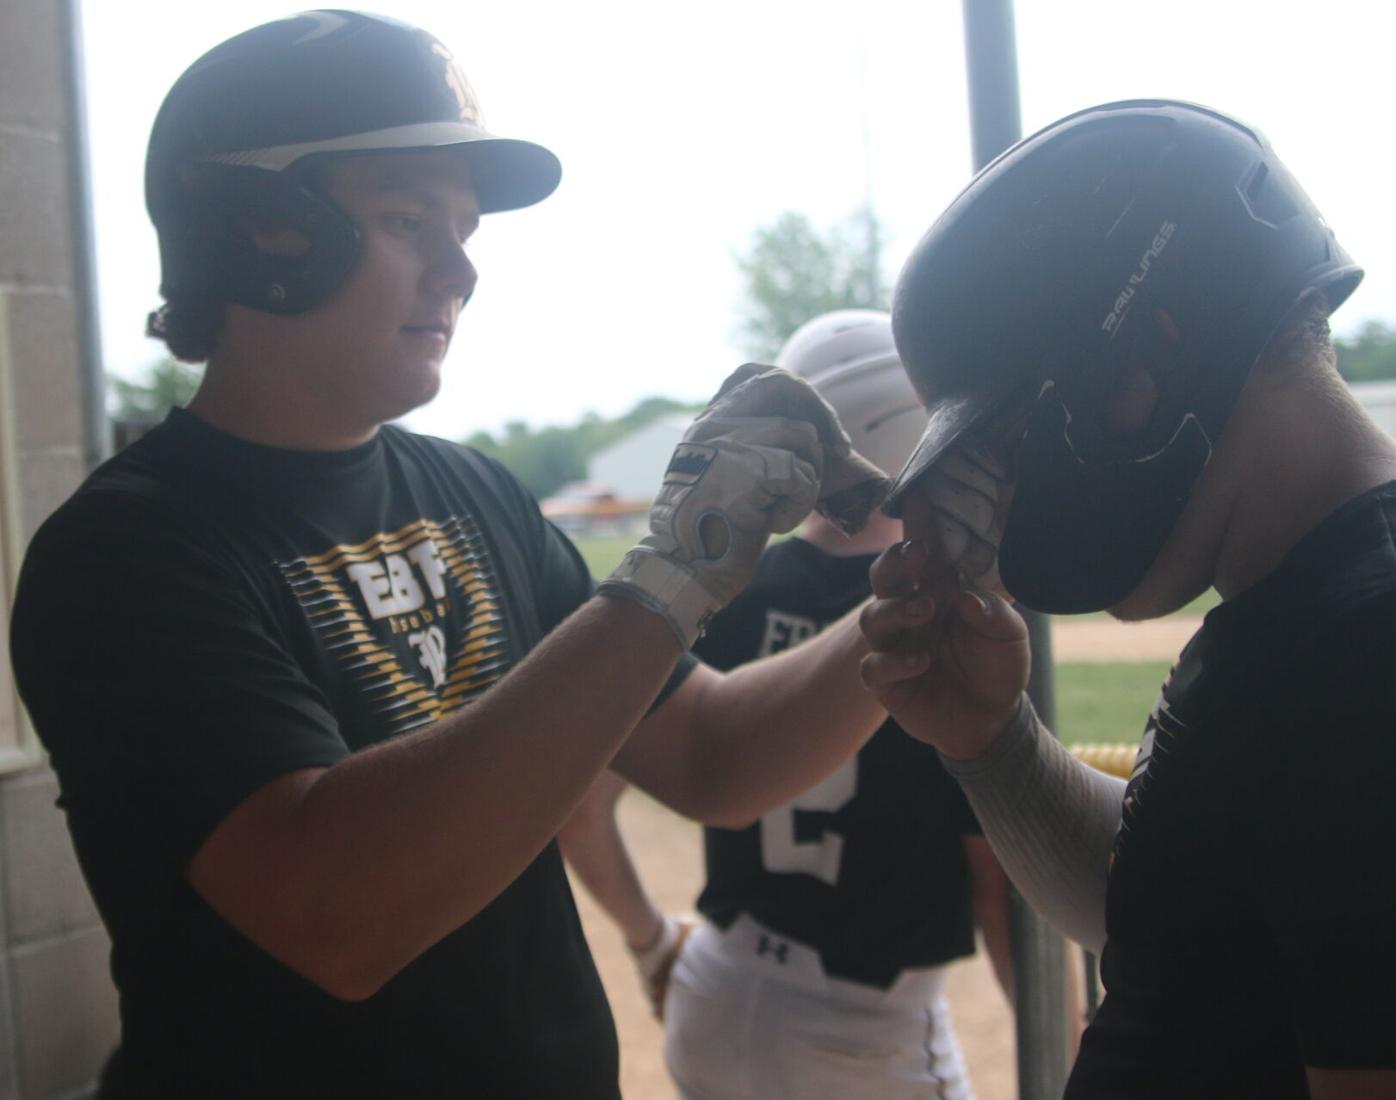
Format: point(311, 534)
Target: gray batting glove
point(732, 482)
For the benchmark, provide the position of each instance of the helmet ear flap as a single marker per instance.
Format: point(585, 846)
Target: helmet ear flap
point(211, 251)
point(1130, 403)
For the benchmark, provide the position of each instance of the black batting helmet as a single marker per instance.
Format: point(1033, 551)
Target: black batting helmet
point(1147, 233)
point(238, 129)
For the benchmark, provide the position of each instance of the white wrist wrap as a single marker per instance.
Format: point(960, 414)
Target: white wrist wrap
point(666, 588)
point(660, 953)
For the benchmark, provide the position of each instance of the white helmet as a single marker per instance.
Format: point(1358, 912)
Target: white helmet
point(849, 357)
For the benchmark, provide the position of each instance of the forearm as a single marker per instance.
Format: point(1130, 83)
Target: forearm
point(743, 742)
point(997, 931)
point(356, 870)
point(780, 725)
point(1351, 1084)
point(989, 896)
point(1051, 821)
point(596, 852)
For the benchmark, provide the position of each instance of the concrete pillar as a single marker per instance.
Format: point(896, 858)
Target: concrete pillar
point(58, 1017)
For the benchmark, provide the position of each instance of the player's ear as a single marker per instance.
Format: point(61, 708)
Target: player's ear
point(1133, 395)
point(1131, 400)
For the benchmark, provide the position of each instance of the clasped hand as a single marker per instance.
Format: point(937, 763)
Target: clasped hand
point(949, 664)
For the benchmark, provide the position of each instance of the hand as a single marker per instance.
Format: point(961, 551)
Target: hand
point(732, 482)
point(655, 963)
point(729, 487)
point(949, 664)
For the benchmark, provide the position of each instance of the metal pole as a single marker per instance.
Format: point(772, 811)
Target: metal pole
point(1092, 974)
point(1044, 1021)
point(96, 426)
point(1039, 961)
point(1039, 954)
point(991, 62)
point(873, 243)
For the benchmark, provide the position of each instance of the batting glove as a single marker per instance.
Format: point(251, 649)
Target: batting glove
point(732, 482)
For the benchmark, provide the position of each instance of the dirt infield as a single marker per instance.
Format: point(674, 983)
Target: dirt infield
point(668, 850)
point(1107, 640)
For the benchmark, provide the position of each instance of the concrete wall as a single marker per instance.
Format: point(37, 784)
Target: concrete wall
point(57, 1006)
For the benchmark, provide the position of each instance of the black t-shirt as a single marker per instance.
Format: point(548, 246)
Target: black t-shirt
point(1251, 911)
point(207, 614)
point(868, 867)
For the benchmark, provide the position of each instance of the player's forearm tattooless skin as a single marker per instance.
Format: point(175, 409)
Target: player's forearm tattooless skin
point(1052, 821)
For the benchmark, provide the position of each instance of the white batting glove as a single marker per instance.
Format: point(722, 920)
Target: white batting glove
point(963, 488)
point(732, 482)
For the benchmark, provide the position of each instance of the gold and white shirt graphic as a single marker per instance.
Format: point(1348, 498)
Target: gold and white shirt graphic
point(412, 616)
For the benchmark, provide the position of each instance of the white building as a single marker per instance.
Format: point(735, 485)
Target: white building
point(633, 466)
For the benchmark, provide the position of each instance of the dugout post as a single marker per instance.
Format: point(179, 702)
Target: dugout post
point(1039, 954)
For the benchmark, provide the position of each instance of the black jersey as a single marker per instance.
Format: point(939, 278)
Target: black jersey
point(1251, 907)
point(869, 866)
point(206, 614)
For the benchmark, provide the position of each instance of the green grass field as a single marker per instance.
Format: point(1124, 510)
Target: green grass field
point(603, 554)
point(1105, 702)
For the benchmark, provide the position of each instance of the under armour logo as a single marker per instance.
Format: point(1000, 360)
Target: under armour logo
point(767, 946)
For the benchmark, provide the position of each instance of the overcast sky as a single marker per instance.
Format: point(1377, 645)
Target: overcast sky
point(683, 127)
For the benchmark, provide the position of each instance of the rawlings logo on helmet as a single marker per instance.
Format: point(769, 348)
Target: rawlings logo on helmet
point(1125, 299)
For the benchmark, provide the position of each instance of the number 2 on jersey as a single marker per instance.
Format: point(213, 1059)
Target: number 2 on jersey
point(781, 852)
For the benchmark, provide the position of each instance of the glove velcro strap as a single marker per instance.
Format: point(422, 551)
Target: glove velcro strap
point(666, 588)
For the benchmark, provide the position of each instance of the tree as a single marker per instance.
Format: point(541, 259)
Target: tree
point(793, 274)
point(167, 383)
point(547, 458)
point(542, 460)
point(1371, 356)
